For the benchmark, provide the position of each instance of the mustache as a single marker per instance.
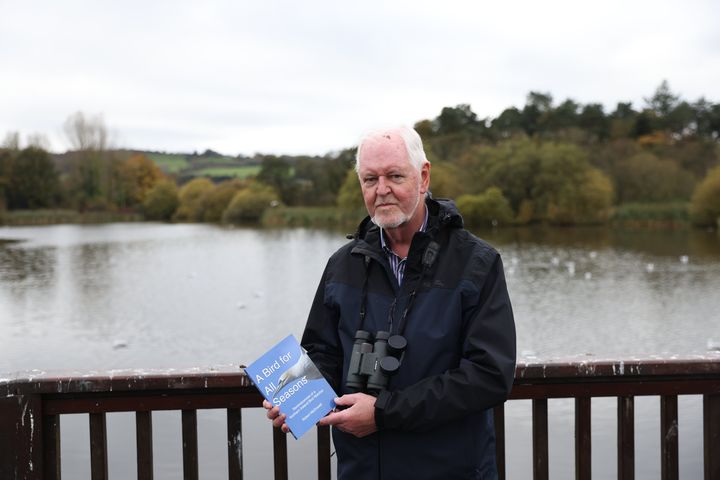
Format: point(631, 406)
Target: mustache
point(386, 201)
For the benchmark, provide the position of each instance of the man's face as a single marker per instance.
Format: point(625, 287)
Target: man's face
point(391, 187)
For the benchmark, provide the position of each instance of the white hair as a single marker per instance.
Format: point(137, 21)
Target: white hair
point(411, 139)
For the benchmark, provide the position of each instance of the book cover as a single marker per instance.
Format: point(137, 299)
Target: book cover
point(287, 378)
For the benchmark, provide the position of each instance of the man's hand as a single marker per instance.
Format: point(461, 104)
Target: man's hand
point(358, 420)
point(278, 420)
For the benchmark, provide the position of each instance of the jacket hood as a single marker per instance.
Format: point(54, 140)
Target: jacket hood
point(443, 214)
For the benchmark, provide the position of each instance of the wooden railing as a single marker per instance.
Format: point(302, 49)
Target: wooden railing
point(31, 407)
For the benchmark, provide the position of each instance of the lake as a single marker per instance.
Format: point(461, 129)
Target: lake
point(143, 295)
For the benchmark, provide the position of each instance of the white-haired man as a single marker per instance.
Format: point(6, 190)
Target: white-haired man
point(413, 271)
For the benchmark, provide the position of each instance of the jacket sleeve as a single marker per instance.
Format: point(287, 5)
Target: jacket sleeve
point(321, 339)
point(485, 372)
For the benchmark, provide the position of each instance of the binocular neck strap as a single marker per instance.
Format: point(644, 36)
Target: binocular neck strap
point(363, 298)
point(429, 256)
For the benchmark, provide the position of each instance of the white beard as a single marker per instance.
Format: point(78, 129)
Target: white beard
point(397, 220)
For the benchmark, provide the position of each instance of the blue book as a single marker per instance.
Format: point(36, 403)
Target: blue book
point(287, 378)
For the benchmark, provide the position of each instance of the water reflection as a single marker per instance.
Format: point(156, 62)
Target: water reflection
point(22, 267)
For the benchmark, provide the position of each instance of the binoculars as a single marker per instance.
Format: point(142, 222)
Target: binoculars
point(372, 364)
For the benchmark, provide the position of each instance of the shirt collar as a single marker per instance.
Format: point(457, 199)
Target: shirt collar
point(383, 243)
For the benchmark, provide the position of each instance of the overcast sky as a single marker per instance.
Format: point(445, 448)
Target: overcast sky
point(308, 77)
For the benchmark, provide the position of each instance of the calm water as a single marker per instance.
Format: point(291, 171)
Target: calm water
point(157, 296)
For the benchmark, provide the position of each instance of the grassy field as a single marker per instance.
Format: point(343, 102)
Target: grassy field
point(170, 162)
point(202, 166)
point(241, 171)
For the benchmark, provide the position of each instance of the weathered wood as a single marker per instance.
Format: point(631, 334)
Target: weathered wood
point(51, 446)
point(21, 439)
point(98, 447)
point(190, 445)
point(323, 452)
point(626, 438)
point(613, 387)
point(144, 445)
point(711, 436)
point(540, 439)
point(583, 441)
point(499, 420)
point(149, 401)
point(669, 437)
point(280, 454)
point(234, 441)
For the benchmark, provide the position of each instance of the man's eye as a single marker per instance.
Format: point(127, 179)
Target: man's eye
point(396, 178)
point(369, 180)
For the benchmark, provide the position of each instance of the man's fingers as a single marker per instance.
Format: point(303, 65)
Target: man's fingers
point(332, 418)
point(345, 400)
point(279, 421)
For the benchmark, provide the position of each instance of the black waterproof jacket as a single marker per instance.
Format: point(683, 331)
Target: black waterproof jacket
point(435, 418)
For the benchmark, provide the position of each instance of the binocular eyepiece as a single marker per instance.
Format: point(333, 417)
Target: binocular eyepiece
point(372, 364)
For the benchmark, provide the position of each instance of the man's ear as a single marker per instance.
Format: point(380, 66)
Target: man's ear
point(425, 177)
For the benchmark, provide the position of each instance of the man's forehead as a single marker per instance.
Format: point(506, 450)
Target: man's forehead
point(386, 145)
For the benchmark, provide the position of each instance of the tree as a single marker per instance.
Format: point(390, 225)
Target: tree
point(564, 116)
point(646, 178)
point(92, 168)
point(32, 180)
point(622, 121)
point(593, 119)
point(445, 180)
point(277, 172)
point(663, 100)
point(86, 134)
point(536, 111)
point(489, 208)
point(161, 201)
point(456, 119)
point(249, 204)
point(550, 182)
point(11, 141)
point(350, 196)
point(705, 203)
point(214, 201)
point(508, 123)
point(138, 175)
point(190, 197)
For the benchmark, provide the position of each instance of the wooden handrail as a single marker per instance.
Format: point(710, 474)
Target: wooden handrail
point(31, 404)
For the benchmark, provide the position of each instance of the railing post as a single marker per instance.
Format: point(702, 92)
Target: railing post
point(323, 452)
point(280, 454)
point(583, 428)
point(234, 441)
point(626, 438)
point(51, 442)
point(98, 447)
point(21, 442)
point(540, 439)
point(711, 436)
point(190, 445)
point(144, 445)
point(669, 437)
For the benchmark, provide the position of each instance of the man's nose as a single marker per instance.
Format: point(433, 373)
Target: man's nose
point(383, 187)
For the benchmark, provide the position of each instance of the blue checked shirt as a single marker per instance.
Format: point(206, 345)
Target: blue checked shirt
point(396, 263)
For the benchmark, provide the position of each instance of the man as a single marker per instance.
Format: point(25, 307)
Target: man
point(412, 270)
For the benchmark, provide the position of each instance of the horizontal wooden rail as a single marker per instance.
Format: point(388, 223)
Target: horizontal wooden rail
point(32, 405)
